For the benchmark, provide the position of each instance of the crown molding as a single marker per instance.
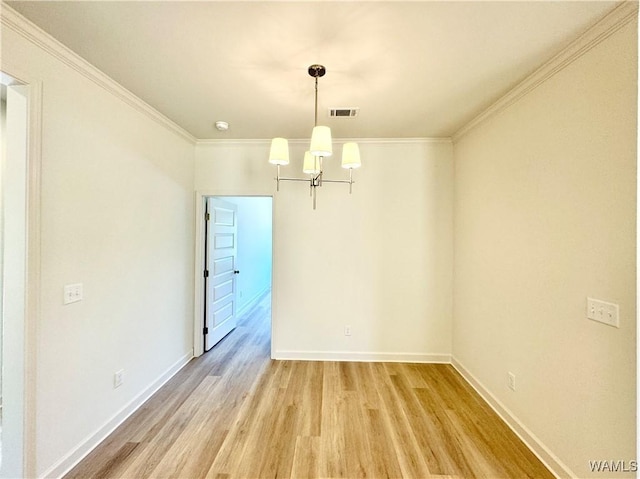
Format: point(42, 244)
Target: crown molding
point(339, 141)
point(11, 19)
point(617, 18)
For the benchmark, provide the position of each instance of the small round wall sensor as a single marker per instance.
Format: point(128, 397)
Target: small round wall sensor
point(222, 125)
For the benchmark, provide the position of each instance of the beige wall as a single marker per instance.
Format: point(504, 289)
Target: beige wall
point(378, 261)
point(545, 215)
point(117, 216)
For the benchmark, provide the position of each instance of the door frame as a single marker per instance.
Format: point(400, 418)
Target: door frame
point(198, 300)
point(33, 256)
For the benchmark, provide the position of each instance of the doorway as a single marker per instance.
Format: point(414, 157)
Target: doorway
point(14, 237)
point(236, 261)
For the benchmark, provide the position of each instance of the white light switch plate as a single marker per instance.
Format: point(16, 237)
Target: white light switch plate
point(603, 312)
point(72, 293)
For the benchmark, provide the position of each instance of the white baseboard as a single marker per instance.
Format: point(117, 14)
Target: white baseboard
point(553, 463)
point(252, 302)
point(363, 357)
point(70, 460)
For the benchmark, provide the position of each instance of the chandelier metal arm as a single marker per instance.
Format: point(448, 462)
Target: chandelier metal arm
point(297, 179)
point(338, 181)
point(350, 181)
point(314, 180)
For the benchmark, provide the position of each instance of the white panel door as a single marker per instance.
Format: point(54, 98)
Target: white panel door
point(220, 275)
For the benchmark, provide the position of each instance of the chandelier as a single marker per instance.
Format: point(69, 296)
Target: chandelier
point(320, 148)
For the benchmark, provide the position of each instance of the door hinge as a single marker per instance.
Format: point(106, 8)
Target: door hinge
point(207, 216)
point(206, 273)
point(205, 330)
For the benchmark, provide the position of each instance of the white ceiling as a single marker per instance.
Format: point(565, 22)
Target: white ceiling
point(415, 69)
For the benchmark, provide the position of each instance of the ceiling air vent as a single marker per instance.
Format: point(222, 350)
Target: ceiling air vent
point(343, 112)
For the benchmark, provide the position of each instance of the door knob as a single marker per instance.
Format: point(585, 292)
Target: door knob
point(235, 271)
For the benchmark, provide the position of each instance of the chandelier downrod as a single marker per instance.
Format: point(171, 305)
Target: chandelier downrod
point(315, 121)
point(317, 71)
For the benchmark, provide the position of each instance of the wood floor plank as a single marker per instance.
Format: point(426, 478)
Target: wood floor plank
point(155, 452)
point(483, 464)
point(244, 449)
point(304, 390)
point(280, 449)
point(236, 414)
point(431, 435)
point(366, 385)
point(332, 461)
point(260, 433)
point(193, 451)
point(306, 458)
point(384, 461)
point(347, 376)
point(115, 462)
point(353, 428)
point(412, 461)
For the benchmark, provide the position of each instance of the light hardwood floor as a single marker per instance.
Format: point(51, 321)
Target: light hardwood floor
point(235, 413)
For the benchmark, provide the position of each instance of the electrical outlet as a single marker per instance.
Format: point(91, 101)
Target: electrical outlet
point(72, 293)
point(347, 330)
point(511, 381)
point(603, 312)
point(118, 378)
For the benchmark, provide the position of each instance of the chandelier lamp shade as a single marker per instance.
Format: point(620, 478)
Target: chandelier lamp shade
point(279, 154)
point(321, 147)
